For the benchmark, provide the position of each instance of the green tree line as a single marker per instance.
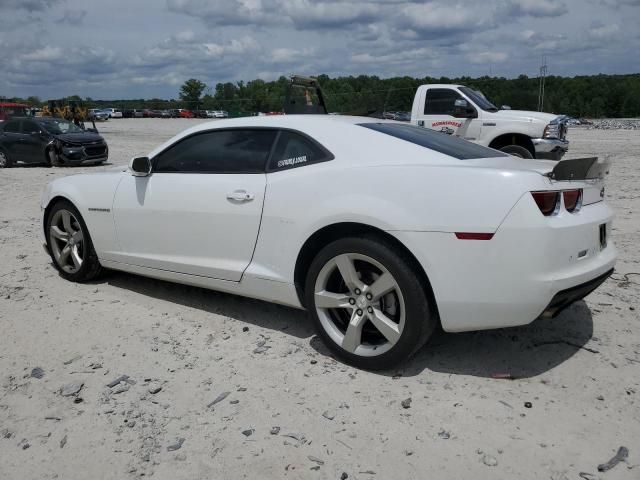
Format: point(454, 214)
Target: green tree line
point(582, 96)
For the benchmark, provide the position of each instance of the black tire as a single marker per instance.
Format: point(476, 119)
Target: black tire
point(5, 160)
point(90, 267)
point(517, 151)
point(52, 158)
point(419, 317)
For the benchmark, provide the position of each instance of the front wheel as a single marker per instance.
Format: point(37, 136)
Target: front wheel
point(368, 303)
point(70, 244)
point(52, 158)
point(517, 151)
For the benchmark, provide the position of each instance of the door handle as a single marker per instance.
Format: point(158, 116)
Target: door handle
point(240, 196)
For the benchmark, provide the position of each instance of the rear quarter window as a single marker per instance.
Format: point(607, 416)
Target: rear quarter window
point(294, 149)
point(439, 142)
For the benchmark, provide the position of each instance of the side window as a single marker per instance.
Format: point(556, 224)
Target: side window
point(221, 151)
point(30, 127)
point(294, 149)
point(12, 127)
point(440, 101)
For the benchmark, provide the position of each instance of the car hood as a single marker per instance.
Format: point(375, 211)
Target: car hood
point(80, 138)
point(525, 116)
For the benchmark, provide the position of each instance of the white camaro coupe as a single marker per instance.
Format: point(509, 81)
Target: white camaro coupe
point(381, 230)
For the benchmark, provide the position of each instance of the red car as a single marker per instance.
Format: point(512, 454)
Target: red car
point(182, 113)
point(8, 110)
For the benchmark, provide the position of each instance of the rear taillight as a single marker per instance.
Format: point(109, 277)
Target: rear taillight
point(548, 202)
point(572, 199)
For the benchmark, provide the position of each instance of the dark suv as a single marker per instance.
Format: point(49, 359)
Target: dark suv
point(53, 141)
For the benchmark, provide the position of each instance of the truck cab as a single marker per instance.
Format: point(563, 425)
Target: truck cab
point(465, 112)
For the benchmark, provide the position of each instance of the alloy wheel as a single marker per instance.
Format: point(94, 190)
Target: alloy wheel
point(66, 240)
point(359, 304)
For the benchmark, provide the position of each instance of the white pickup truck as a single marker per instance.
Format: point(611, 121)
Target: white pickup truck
point(466, 113)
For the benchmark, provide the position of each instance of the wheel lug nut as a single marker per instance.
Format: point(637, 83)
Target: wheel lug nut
point(370, 310)
point(358, 291)
point(369, 296)
point(359, 312)
point(352, 301)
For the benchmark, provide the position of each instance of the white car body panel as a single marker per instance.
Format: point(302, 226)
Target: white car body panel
point(181, 227)
point(201, 234)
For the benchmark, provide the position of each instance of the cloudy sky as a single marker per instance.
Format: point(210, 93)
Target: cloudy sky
point(147, 48)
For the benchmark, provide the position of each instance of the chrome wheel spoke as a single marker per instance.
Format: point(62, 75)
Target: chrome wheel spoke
point(56, 232)
point(353, 336)
point(66, 222)
point(383, 285)
point(326, 299)
point(75, 257)
point(387, 327)
point(348, 272)
point(64, 255)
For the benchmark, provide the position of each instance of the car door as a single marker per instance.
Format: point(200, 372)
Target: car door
point(200, 209)
point(438, 114)
point(32, 144)
point(12, 139)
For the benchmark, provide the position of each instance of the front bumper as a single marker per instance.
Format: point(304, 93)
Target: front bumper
point(550, 149)
point(83, 155)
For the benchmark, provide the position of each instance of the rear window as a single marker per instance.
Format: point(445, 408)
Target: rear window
point(453, 146)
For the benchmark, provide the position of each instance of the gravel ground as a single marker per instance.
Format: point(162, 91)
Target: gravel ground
point(191, 396)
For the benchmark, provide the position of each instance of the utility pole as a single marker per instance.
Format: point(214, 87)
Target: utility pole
point(543, 74)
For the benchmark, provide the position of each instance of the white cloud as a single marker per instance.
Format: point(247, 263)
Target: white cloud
point(538, 8)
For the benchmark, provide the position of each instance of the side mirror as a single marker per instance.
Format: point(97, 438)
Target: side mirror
point(92, 130)
point(462, 109)
point(140, 166)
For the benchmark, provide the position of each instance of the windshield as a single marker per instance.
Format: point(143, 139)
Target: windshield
point(58, 126)
point(479, 99)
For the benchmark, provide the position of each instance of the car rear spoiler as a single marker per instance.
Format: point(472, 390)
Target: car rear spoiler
point(589, 168)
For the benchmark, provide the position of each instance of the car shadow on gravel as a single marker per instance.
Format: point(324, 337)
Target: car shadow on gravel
point(291, 321)
point(519, 352)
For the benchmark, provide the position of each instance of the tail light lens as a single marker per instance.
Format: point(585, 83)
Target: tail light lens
point(572, 199)
point(547, 201)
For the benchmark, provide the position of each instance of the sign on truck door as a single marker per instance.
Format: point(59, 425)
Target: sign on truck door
point(438, 114)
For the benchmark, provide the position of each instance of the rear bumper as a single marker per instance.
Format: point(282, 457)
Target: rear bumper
point(564, 298)
point(533, 264)
point(548, 149)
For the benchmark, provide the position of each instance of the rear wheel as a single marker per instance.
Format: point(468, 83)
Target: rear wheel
point(70, 244)
point(5, 161)
point(367, 302)
point(517, 151)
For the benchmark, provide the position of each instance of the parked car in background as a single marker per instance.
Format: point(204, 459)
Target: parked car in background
point(183, 113)
point(52, 141)
point(220, 114)
point(98, 115)
point(413, 230)
point(132, 113)
point(113, 112)
point(165, 114)
point(403, 116)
